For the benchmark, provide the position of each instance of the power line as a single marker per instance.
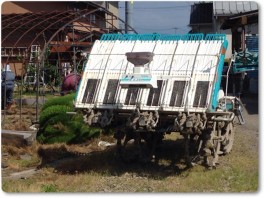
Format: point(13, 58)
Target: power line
point(160, 8)
point(169, 30)
point(172, 28)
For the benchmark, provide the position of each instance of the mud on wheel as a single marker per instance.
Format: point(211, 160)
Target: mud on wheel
point(216, 140)
point(229, 136)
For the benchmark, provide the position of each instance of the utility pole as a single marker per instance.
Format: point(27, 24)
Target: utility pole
point(129, 19)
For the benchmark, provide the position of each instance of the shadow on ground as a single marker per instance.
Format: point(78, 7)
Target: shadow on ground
point(108, 161)
point(250, 103)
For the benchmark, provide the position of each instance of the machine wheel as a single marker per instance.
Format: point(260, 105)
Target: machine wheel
point(131, 148)
point(228, 142)
point(128, 145)
point(211, 147)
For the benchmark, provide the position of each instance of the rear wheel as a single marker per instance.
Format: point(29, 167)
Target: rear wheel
point(228, 141)
point(131, 146)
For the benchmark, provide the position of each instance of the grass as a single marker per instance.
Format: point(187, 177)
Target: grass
point(20, 163)
point(32, 95)
point(49, 188)
point(213, 181)
point(102, 172)
point(219, 180)
point(16, 162)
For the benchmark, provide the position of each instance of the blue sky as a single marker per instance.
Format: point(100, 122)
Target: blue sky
point(164, 17)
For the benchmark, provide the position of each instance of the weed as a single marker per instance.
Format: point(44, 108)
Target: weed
point(49, 188)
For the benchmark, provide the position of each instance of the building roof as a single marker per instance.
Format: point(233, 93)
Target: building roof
point(237, 20)
point(226, 8)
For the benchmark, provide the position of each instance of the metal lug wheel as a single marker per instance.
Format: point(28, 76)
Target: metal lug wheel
point(228, 142)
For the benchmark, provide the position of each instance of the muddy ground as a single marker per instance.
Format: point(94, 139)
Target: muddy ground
point(101, 160)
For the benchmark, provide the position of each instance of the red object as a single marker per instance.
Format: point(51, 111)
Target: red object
point(70, 82)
